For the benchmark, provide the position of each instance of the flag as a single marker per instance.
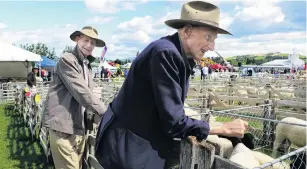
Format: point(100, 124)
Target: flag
point(104, 51)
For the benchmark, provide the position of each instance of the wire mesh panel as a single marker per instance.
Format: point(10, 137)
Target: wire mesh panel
point(273, 138)
point(258, 120)
point(293, 160)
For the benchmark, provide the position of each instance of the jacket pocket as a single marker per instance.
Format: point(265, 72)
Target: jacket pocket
point(131, 151)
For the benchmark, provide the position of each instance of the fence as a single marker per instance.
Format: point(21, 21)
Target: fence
point(261, 125)
point(195, 154)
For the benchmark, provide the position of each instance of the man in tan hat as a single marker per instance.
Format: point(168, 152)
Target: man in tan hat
point(138, 127)
point(70, 94)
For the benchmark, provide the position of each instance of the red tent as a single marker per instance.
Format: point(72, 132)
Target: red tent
point(216, 66)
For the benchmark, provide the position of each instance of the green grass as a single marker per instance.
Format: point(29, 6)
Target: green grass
point(17, 150)
point(254, 124)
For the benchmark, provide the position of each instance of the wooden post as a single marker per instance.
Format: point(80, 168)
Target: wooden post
point(269, 88)
point(196, 155)
point(206, 116)
point(267, 124)
point(230, 92)
point(209, 101)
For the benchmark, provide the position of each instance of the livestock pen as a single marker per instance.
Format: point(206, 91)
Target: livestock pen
point(192, 153)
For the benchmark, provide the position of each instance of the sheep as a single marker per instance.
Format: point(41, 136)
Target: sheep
point(251, 159)
point(243, 156)
point(225, 144)
point(294, 133)
point(263, 158)
point(248, 140)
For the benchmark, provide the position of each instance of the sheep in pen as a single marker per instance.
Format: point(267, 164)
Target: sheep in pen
point(255, 150)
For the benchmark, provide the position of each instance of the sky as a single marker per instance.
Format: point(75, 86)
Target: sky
point(128, 26)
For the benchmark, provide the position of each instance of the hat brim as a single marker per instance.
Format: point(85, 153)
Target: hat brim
point(99, 42)
point(179, 23)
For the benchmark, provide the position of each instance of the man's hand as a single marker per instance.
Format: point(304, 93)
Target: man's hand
point(235, 128)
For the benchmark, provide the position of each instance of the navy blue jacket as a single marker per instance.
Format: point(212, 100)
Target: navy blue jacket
point(138, 128)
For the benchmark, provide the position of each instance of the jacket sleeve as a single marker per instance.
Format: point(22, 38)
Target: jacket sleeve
point(76, 85)
point(168, 93)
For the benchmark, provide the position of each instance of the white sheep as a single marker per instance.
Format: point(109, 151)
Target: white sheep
point(224, 143)
point(294, 133)
point(263, 158)
point(243, 156)
point(251, 159)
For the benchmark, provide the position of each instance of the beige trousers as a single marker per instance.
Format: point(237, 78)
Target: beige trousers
point(66, 149)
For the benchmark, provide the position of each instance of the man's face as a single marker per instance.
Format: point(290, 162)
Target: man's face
point(86, 44)
point(199, 40)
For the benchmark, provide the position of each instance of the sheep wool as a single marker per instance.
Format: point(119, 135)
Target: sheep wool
point(263, 158)
point(245, 159)
point(243, 156)
point(225, 144)
point(294, 133)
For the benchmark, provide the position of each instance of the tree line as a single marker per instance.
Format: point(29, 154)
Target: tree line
point(258, 59)
point(42, 49)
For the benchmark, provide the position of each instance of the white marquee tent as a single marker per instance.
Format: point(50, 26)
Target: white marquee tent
point(9, 52)
point(15, 61)
point(293, 61)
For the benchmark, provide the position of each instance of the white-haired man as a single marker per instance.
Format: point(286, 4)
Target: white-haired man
point(69, 95)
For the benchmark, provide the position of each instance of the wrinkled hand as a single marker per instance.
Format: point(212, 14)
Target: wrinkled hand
point(235, 128)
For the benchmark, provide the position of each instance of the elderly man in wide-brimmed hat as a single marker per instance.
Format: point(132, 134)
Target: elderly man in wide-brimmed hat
point(70, 93)
point(138, 127)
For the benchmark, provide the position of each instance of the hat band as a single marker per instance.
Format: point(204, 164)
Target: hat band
point(206, 22)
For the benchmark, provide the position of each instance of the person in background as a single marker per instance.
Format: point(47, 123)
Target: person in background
point(70, 94)
point(209, 72)
point(205, 71)
point(140, 124)
point(31, 78)
point(201, 72)
point(126, 73)
point(102, 72)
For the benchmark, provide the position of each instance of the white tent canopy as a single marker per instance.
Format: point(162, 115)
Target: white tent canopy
point(293, 61)
point(9, 52)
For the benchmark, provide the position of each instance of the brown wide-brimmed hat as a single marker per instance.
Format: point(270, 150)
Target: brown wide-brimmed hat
point(91, 32)
point(198, 13)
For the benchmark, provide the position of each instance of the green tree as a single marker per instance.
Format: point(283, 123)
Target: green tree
point(40, 49)
point(68, 49)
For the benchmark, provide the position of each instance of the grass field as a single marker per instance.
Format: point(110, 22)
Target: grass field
point(17, 150)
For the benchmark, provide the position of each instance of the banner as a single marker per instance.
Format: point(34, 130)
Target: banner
point(104, 51)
